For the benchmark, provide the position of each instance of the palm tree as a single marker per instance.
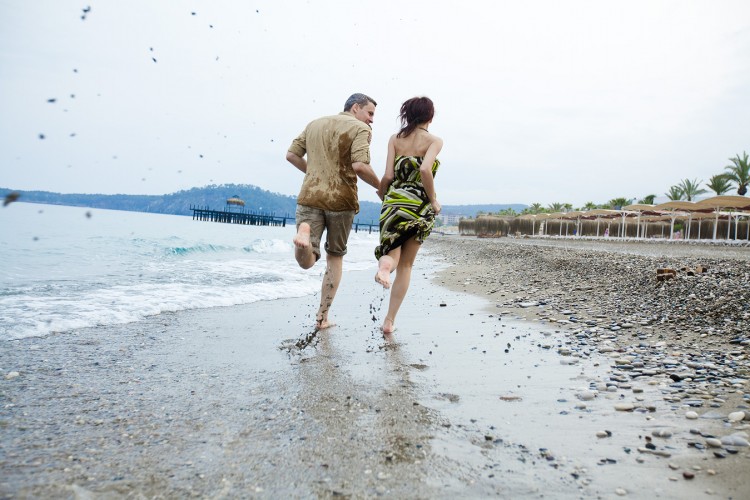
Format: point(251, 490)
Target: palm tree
point(675, 193)
point(590, 205)
point(567, 207)
point(648, 199)
point(507, 211)
point(739, 172)
point(555, 207)
point(534, 208)
point(719, 184)
point(691, 189)
point(618, 203)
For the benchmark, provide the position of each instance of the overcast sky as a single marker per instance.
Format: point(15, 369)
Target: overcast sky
point(537, 101)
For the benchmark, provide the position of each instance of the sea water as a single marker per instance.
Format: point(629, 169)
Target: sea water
point(64, 268)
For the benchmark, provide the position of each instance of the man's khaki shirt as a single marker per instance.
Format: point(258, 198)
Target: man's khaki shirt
point(332, 144)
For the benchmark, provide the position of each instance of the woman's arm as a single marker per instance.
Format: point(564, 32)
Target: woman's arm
point(388, 176)
point(425, 171)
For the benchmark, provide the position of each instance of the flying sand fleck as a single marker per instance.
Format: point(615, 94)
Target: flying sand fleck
point(11, 197)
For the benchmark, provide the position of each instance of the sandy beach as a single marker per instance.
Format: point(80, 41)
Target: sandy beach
point(503, 379)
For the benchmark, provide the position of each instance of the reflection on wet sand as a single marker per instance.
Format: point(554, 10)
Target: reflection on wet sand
point(362, 427)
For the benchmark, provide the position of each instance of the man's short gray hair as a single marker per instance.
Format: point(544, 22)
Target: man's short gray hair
point(360, 99)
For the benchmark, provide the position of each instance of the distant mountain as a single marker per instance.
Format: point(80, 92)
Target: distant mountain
point(179, 203)
point(215, 197)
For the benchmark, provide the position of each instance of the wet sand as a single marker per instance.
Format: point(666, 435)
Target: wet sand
point(217, 403)
point(670, 348)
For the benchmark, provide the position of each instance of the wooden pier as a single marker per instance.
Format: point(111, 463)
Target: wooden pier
point(356, 225)
point(238, 217)
point(256, 219)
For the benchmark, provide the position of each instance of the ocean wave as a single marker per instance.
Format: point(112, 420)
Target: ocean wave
point(258, 246)
point(268, 246)
point(201, 248)
point(31, 316)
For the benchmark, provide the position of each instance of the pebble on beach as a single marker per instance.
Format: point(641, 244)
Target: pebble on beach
point(624, 406)
point(661, 433)
point(676, 348)
point(713, 443)
point(586, 395)
point(736, 416)
point(735, 440)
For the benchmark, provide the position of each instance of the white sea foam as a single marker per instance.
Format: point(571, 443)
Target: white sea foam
point(33, 316)
point(269, 246)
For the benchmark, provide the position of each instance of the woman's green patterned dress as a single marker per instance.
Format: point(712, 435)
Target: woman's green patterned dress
point(406, 211)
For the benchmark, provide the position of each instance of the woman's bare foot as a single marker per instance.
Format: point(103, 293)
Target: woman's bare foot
point(383, 276)
point(387, 326)
point(302, 238)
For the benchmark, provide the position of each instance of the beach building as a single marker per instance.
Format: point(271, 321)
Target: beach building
point(450, 220)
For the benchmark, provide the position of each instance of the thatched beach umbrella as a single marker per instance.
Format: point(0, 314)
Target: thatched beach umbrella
point(543, 217)
point(641, 209)
point(747, 235)
point(736, 216)
point(717, 203)
point(536, 217)
point(532, 218)
point(556, 216)
point(623, 214)
point(570, 216)
point(653, 218)
point(599, 214)
point(678, 210)
point(701, 216)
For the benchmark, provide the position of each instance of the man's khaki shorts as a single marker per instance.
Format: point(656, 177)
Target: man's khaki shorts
point(336, 224)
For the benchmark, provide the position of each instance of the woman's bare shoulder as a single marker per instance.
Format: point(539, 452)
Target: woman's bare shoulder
point(436, 141)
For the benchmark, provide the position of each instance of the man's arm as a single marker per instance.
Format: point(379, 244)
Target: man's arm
point(297, 161)
point(365, 172)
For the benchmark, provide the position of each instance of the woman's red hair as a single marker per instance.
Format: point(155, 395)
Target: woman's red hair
point(415, 111)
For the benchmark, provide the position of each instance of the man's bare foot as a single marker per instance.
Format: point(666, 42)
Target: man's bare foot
point(302, 238)
point(387, 327)
point(383, 276)
point(322, 324)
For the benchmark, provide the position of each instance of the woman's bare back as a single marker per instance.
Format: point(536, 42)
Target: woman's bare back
point(415, 144)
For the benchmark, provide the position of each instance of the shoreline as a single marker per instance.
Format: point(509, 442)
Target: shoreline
point(468, 401)
point(603, 298)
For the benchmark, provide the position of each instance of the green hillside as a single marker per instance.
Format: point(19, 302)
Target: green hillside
point(215, 197)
